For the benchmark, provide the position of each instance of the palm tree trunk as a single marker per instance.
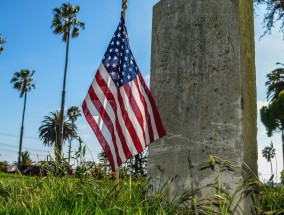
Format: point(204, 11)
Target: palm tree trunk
point(60, 138)
point(22, 131)
point(69, 151)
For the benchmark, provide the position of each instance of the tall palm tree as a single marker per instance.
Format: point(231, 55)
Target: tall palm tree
point(23, 82)
point(49, 131)
point(73, 113)
point(268, 153)
point(65, 22)
point(2, 41)
point(275, 83)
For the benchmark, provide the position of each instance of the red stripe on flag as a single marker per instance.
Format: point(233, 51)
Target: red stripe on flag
point(160, 127)
point(105, 117)
point(147, 115)
point(135, 108)
point(98, 133)
point(110, 97)
point(129, 125)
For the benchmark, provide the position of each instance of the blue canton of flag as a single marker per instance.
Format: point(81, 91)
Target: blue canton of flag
point(118, 59)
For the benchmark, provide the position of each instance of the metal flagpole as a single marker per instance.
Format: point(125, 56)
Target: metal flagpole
point(124, 7)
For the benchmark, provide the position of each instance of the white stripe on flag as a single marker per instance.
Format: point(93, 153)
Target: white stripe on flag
point(150, 110)
point(111, 114)
point(92, 109)
point(113, 90)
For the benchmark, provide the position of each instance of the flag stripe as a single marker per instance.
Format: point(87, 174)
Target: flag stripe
point(132, 93)
point(106, 121)
point(148, 123)
point(110, 118)
point(128, 123)
point(112, 101)
point(98, 132)
point(160, 127)
point(151, 113)
point(125, 131)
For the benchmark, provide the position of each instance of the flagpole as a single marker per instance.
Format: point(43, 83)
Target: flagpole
point(124, 7)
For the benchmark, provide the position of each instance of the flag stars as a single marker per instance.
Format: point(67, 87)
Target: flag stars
point(113, 65)
point(110, 50)
point(118, 35)
point(116, 50)
point(118, 43)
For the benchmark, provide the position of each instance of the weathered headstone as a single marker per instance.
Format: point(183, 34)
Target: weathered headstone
point(203, 81)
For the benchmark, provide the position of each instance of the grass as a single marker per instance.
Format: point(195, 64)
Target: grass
point(69, 195)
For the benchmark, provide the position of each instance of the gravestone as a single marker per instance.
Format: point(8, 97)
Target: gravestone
point(203, 82)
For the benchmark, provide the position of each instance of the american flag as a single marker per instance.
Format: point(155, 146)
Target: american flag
point(119, 106)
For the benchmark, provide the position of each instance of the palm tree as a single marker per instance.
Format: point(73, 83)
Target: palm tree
point(73, 113)
point(268, 153)
point(23, 82)
point(49, 131)
point(26, 160)
point(2, 41)
point(275, 83)
point(65, 22)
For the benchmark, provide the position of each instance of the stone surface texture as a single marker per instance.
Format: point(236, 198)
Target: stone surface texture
point(203, 82)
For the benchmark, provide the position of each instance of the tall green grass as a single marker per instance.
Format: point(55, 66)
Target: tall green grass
point(69, 195)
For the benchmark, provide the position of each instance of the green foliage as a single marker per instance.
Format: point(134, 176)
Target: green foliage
point(275, 83)
point(26, 160)
point(65, 21)
point(268, 153)
point(274, 12)
point(282, 176)
point(3, 166)
point(49, 131)
point(2, 41)
point(272, 116)
point(23, 81)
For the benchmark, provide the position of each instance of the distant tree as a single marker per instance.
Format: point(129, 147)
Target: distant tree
point(65, 22)
point(26, 160)
point(269, 153)
point(23, 82)
point(73, 113)
point(275, 83)
point(138, 164)
point(3, 166)
point(272, 116)
point(49, 131)
point(104, 160)
point(2, 41)
point(274, 13)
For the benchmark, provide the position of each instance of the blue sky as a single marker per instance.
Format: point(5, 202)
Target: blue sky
point(32, 45)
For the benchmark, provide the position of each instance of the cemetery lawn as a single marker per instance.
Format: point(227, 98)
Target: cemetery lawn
point(70, 195)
